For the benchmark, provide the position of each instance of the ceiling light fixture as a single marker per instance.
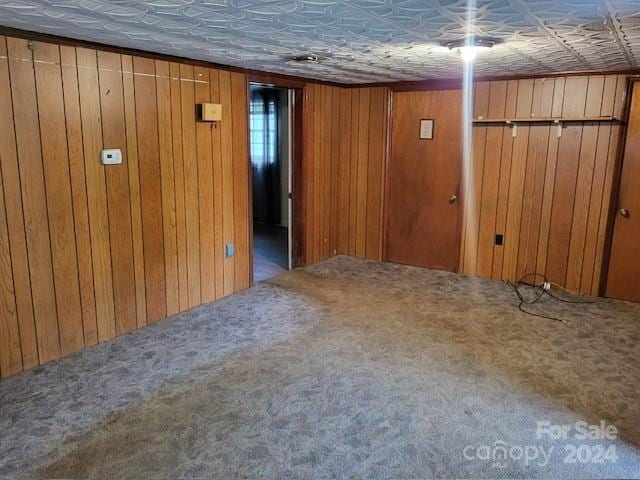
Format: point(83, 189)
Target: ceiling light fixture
point(468, 48)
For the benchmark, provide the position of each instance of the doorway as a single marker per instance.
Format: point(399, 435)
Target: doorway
point(270, 129)
point(623, 279)
point(423, 223)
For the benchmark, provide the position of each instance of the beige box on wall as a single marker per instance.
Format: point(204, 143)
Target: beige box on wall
point(210, 112)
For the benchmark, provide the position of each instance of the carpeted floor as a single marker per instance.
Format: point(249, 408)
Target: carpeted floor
point(346, 369)
point(270, 251)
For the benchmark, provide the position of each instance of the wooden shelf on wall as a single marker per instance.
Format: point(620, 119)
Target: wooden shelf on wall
point(558, 121)
point(547, 120)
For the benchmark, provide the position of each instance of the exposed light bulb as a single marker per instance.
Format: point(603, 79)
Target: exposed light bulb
point(468, 54)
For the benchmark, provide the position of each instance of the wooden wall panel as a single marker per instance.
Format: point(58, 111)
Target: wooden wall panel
point(10, 354)
point(610, 169)
point(320, 185)
point(517, 181)
point(490, 181)
point(34, 201)
point(550, 174)
point(375, 178)
point(344, 170)
point(96, 192)
point(240, 117)
point(118, 196)
point(79, 193)
point(353, 174)
point(362, 159)
point(345, 158)
point(542, 103)
point(218, 220)
point(504, 173)
point(204, 180)
point(312, 127)
point(15, 219)
point(566, 180)
point(472, 199)
point(88, 252)
point(308, 129)
point(178, 168)
point(167, 176)
point(58, 186)
point(325, 169)
point(334, 168)
point(150, 186)
point(548, 196)
point(225, 135)
point(191, 196)
point(134, 189)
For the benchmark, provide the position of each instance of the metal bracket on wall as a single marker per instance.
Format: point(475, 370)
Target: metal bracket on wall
point(514, 128)
point(560, 123)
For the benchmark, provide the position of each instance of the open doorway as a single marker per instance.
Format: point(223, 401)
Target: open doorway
point(270, 127)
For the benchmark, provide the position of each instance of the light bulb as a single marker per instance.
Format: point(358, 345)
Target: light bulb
point(469, 48)
point(468, 54)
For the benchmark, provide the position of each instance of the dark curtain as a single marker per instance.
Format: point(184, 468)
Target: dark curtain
point(265, 157)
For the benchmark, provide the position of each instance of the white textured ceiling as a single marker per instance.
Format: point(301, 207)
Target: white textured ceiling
point(362, 40)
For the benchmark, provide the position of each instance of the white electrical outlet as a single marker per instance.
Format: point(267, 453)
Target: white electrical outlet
point(112, 156)
point(546, 286)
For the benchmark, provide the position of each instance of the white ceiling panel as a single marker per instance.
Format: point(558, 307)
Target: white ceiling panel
point(360, 40)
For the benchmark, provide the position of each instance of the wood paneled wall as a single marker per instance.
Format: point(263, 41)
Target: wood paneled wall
point(548, 196)
point(344, 168)
point(89, 252)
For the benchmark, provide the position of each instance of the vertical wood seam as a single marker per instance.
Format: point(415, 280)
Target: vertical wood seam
point(126, 145)
point(555, 179)
point(13, 282)
point(104, 177)
point(509, 206)
point(73, 211)
point(46, 199)
point(524, 170)
point(24, 221)
point(544, 176)
point(575, 189)
point(86, 193)
point(495, 219)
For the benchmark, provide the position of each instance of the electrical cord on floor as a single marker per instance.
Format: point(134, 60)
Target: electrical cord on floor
point(541, 292)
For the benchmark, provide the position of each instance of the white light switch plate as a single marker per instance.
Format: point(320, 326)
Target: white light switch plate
point(112, 156)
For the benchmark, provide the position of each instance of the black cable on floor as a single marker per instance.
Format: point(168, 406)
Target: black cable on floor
point(541, 292)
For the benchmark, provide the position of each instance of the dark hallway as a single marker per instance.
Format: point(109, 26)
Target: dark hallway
point(269, 251)
point(270, 160)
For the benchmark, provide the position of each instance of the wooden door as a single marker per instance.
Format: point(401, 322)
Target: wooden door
point(424, 175)
point(623, 280)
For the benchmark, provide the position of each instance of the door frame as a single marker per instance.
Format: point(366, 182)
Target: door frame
point(612, 214)
point(297, 220)
point(387, 176)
